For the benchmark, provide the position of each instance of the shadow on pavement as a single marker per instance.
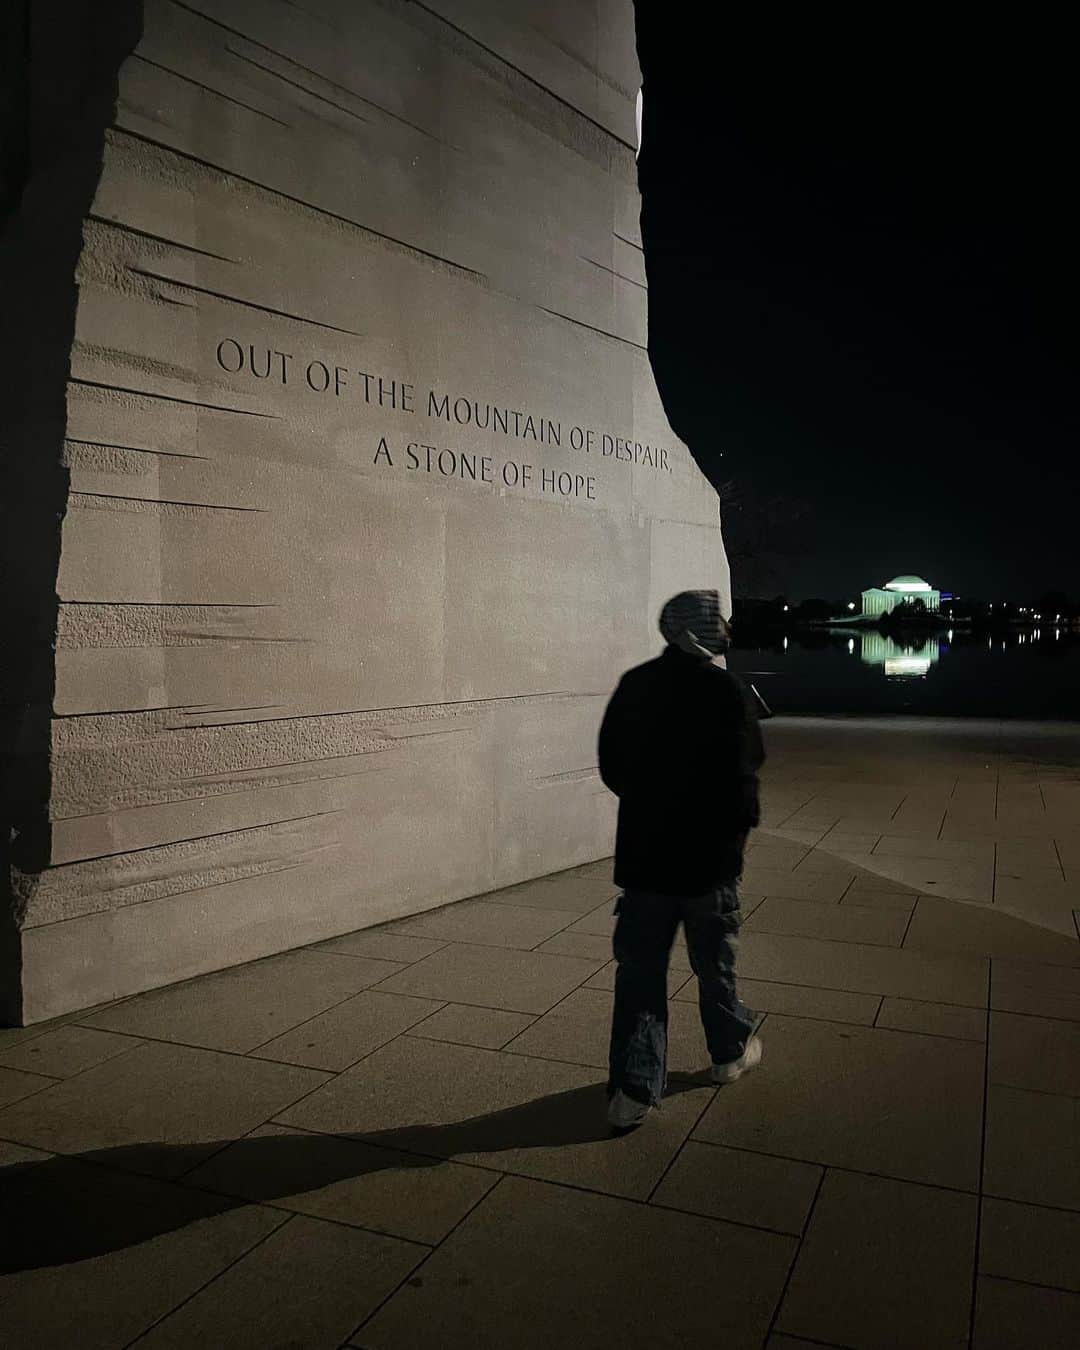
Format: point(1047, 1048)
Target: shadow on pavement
point(72, 1208)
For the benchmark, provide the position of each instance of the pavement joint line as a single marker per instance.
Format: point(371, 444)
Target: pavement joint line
point(696, 1122)
point(40, 1073)
point(1037, 1092)
point(191, 1045)
point(360, 956)
point(275, 1204)
point(411, 1274)
point(870, 993)
point(488, 947)
point(935, 1035)
point(181, 1177)
point(982, 1158)
point(911, 916)
point(417, 1033)
point(492, 946)
point(34, 1092)
point(813, 1203)
point(795, 1258)
point(832, 1021)
point(279, 1208)
point(581, 1064)
point(216, 1276)
point(74, 1018)
point(566, 927)
point(253, 1052)
point(68, 1078)
point(810, 1340)
point(842, 942)
point(794, 1261)
point(718, 1218)
point(1031, 1284)
point(856, 1171)
point(404, 1147)
point(290, 1063)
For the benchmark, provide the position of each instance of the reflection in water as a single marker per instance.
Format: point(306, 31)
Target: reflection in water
point(901, 660)
point(847, 669)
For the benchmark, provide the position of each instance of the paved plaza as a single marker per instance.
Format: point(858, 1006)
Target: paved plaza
point(395, 1140)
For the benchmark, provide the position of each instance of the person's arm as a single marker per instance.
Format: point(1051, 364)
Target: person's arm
point(749, 757)
point(613, 748)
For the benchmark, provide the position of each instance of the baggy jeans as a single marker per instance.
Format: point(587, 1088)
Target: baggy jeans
point(644, 933)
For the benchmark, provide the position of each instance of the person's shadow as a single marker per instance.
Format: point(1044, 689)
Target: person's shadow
point(71, 1208)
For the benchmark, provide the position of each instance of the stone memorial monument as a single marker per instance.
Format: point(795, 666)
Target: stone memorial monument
point(344, 491)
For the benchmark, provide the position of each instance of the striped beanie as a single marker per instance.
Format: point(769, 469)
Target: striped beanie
point(692, 621)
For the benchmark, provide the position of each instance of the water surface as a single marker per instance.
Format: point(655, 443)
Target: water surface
point(1014, 674)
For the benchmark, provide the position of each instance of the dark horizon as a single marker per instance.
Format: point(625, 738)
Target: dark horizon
point(861, 275)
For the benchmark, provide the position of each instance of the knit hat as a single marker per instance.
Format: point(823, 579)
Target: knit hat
point(692, 621)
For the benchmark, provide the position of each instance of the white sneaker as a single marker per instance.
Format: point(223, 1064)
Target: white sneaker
point(749, 1059)
point(624, 1112)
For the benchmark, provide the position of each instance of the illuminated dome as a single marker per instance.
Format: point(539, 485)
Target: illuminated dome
point(908, 584)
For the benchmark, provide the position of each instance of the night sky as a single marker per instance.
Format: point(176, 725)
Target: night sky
point(862, 257)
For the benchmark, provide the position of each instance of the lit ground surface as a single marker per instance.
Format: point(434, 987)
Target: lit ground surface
point(396, 1140)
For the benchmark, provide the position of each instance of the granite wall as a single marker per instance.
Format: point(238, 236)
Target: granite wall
point(367, 494)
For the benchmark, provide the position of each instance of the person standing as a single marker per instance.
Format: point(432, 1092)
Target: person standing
point(680, 747)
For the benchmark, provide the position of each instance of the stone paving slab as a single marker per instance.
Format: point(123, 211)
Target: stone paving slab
point(865, 969)
point(397, 1138)
point(381, 945)
point(93, 1257)
point(519, 981)
point(348, 1032)
point(347, 1181)
point(1031, 1151)
point(865, 1098)
point(245, 1007)
point(1008, 1314)
point(510, 1112)
point(578, 1030)
point(568, 1268)
point(839, 923)
point(944, 926)
point(1030, 1243)
point(489, 925)
point(592, 946)
point(66, 1051)
point(751, 1188)
point(569, 894)
point(159, 1109)
point(308, 1284)
point(884, 1263)
point(1042, 991)
point(1034, 1053)
point(932, 1019)
point(489, 1028)
point(15, 1084)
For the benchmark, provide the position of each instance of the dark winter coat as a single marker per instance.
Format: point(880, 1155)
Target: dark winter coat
point(680, 747)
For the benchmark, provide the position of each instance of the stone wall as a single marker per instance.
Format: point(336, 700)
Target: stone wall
point(371, 496)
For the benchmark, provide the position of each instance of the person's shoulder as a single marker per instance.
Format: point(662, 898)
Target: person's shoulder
point(643, 674)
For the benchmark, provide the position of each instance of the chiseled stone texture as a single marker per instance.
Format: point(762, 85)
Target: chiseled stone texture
point(306, 682)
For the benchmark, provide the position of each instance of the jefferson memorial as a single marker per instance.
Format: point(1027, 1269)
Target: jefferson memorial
point(901, 590)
